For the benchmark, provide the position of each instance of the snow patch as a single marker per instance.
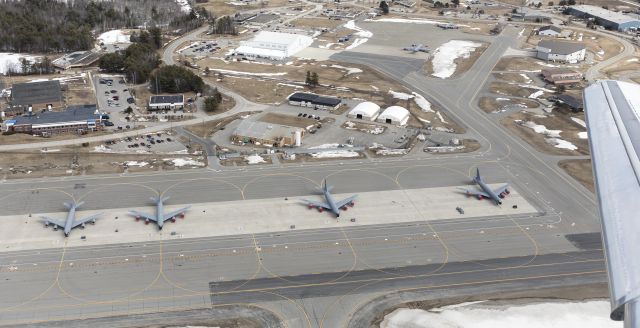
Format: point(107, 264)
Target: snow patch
point(135, 163)
point(579, 122)
point(254, 159)
point(226, 71)
point(362, 34)
point(335, 154)
point(561, 143)
point(444, 57)
point(589, 314)
point(11, 62)
point(179, 162)
point(350, 70)
point(424, 104)
point(538, 128)
point(441, 118)
point(113, 37)
point(536, 94)
point(400, 95)
point(583, 135)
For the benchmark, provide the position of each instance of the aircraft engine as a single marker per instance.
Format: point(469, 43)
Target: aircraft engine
point(146, 221)
point(352, 204)
point(82, 226)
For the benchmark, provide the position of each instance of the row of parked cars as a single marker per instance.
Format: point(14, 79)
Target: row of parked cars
point(316, 117)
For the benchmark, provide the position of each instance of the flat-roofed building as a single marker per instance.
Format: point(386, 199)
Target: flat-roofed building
point(36, 95)
point(76, 119)
point(549, 30)
point(604, 17)
point(313, 100)
point(561, 76)
point(162, 102)
point(267, 134)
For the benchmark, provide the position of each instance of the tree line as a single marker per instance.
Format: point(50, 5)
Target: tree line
point(57, 26)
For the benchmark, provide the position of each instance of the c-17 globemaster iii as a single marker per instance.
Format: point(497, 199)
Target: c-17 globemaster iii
point(331, 204)
point(487, 192)
point(71, 222)
point(160, 217)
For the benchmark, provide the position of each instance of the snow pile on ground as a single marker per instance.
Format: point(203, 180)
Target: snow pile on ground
point(444, 57)
point(384, 151)
point(589, 314)
point(424, 104)
point(329, 146)
point(350, 70)
point(335, 154)
point(583, 135)
point(11, 62)
point(542, 129)
point(400, 95)
point(362, 35)
point(560, 143)
point(185, 6)
point(254, 159)
point(291, 85)
point(179, 162)
point(441, 118)
point(225, 71)
point(135, 163)
point(579, 122)
point(536, 94)
point(526, 77)
point(113, 36)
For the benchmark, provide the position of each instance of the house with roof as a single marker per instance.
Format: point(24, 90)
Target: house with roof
point(166, 102)
point(35, 96)
point(549, 30)
point(562, 51)
point(560, 76)
point(76, 119)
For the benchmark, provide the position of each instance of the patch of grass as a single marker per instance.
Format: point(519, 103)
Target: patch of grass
point(581, 170)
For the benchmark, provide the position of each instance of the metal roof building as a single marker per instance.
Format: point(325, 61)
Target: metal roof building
point(313, 100)
point(561, 51)
point(77, 119)
point(394, 115)
point(607, 18)
point(613, 120)
point(365, 111)
point(267, 134)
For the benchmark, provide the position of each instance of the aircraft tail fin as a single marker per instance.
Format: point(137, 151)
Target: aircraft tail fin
point(165, 198)
point(79, 204)
point(477, 177)
point(326, 187)
point(159, 199)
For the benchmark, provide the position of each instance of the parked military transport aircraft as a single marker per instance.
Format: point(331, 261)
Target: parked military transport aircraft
point(416, 47)
point(71, 222)
point(487, 192)
point(331, 204)
point(160, 217)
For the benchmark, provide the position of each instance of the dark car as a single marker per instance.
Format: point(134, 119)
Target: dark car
point(116, 98)
point(104, 117)
point(130, 100)
point(107, 123)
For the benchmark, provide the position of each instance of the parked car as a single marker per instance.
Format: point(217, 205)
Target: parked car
point(107, 123)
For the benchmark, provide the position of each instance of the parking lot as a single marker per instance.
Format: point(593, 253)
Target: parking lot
point(113, 96)
point(202, 48)
point(161, 142)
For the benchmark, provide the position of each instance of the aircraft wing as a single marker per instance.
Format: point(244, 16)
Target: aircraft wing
point(475, 192)
point(51, 221)
point(501, 189)
point(345, 201)
point(85, 220)
point(613, 123)
point(316, 204)
point(169, 215)
point(144, 215)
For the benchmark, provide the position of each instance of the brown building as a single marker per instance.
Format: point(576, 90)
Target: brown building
point(36, 95)
point(561, 76)
point(76, 119)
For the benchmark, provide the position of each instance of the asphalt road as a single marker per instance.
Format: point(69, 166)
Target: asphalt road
point(315, 278)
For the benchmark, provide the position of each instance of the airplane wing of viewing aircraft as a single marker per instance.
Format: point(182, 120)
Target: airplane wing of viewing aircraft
point(612, 111)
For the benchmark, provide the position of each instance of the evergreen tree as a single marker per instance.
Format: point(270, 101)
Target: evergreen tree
point(384, 6)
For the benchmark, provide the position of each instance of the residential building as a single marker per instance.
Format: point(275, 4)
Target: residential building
point(312, 100)
point(166, 102)
point(36, 95)
point(76, 119)
point(267, 134)
point(604, 17)
point(394, 115)
point(563, 51)
point(561, 76)
point(365, 111)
